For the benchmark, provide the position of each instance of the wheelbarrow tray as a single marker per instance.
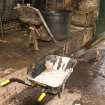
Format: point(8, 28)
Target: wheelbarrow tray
point(52, 78)
point(56, 77)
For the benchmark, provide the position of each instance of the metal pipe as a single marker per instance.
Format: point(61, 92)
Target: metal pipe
point(46, 26)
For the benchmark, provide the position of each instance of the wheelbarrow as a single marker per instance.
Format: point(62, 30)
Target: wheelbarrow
point(51, 75)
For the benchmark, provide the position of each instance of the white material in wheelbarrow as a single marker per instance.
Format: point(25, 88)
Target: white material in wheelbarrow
point(56, 72)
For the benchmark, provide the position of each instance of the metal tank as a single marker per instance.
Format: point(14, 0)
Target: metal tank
point(59, 23)
point(56, 16)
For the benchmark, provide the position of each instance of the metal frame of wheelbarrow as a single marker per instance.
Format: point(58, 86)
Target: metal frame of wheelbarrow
point(46, 89)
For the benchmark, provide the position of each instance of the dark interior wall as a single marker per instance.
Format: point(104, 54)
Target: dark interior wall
point(28, 1)
point(102, 9)
point(101, 20)
point(6, 8)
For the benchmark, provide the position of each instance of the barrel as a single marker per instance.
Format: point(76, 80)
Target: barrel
point(84, 19)
point(59, 23)
point(81, 35)
point(88, 5)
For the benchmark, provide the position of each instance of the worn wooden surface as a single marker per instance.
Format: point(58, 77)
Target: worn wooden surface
point(84, 19)
point(85, 6)
point(80, 37)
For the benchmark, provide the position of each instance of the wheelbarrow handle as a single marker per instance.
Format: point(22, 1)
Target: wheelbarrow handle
point(5, 83)
point(11, 80)
point(42, 96)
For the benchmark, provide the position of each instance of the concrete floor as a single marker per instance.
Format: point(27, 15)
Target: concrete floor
point(82, 85)
point(15, 52)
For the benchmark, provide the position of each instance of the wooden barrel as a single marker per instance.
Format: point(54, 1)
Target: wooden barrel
point(84, 19)
point(81, 36)
point(88, 5)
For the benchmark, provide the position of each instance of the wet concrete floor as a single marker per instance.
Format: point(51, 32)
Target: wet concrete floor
point(83, 88)
point(83, 85)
